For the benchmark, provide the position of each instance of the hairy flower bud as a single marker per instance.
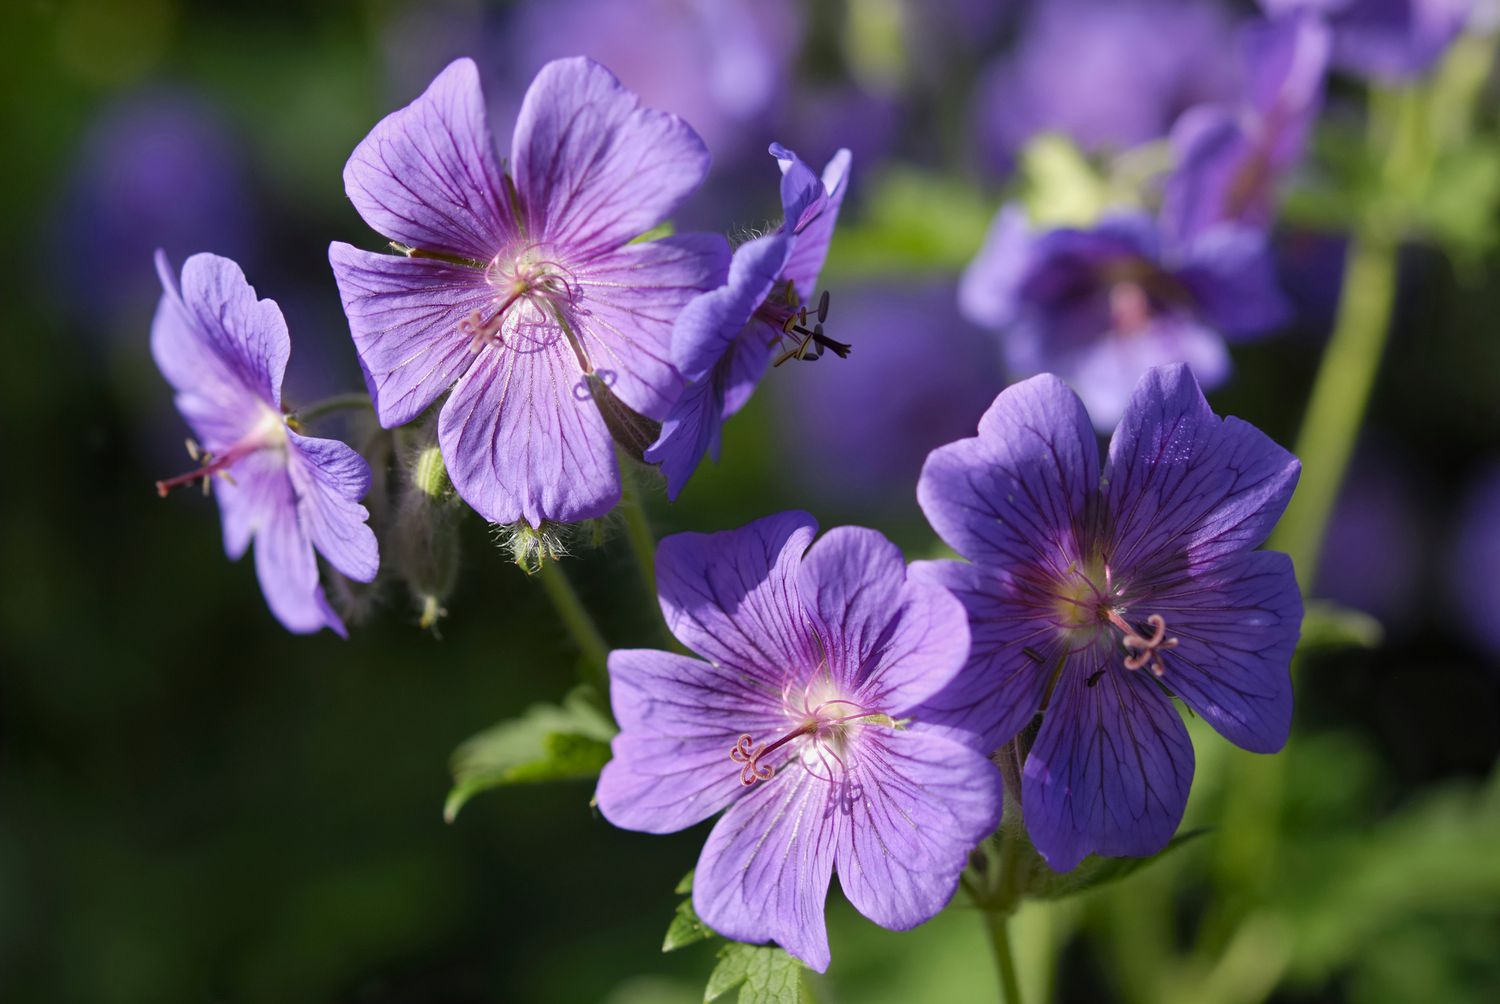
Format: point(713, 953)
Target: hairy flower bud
point(530, 546)
point(426, 533)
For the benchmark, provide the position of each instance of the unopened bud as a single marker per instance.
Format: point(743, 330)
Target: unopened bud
point(427, 533)
point(531, 547)
point(429, 475)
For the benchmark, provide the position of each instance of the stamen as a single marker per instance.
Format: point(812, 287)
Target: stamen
point(212, 466)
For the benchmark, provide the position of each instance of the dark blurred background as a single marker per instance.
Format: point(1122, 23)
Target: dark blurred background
point(197, 806)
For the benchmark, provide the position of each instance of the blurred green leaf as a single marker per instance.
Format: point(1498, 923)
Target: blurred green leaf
point(915, 222)
point(1459, 207)
point(1060, 187)
point(764, 975)
point(1327, 626)
point(685, 929)
point(686, 885)
point(547, 743)
point(1094, 871)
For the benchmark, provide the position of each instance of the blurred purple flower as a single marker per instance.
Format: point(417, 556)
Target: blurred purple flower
point(722, 341)
point(1372, 553)
point(929, 370)
point(225, 353)
point(1472, 564)
point(794, 726)
point(1389, 40)
point(1101, 306)
point(1091, 595)
point(1229, 157)
point(524, 292)
point(1108, 73)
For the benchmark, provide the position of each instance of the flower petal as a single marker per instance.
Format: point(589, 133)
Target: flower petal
point(989, 292)
point(594, 168)
point(732, 596)
point(288, 569)
point(916, 806)
point(631, 298)
point(404, 315)
point(890, 642)
point(1237, 626)
point(1111, 767)
point(764, 872)
point(1231, 273)
point(1014, 497)
point(1187, 488)
point(427, 175)
point(691, 430)
point(679, 719)
point(1106, 373)
point(249, 501)
point(811, 206)
point(711, 323)
point(1012, 655)
point(329, 478)
point(523, 438)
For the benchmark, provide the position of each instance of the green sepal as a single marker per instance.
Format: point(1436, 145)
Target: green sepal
point(1095, 871)
point(686, 928)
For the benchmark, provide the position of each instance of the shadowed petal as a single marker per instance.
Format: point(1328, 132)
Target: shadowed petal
point(594, 168)
point(679, 718)
point(1012, 655)
point(329, 479)
point(764, 872)
point(749, 357)
point(917, 805)
point(1111, 767)
point(709, 325)
point(691, 430)
point(1187, 488)
point(523, 438)
point(288, 569)
point(249, 501)
point(889, 641)
point(1231, 274)
point(404, 315)
point(732, 596)
point(1237, 626)
point(427, 175)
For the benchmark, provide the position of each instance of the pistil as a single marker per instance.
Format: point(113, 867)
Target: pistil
point(1144, 651)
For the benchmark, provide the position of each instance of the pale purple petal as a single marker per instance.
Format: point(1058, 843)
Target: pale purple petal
point(679, 718)
point(593, 166)
point(749, 358)
point(690, 431)
point(329, 479)
point(917, 804)
point(428, 176)
point(1111, 767)
point(1106, 375)
point(1013, 650)
point(404, 314)
point(989, 292)
point(632, 297)
point(288, 569)
point(1185, 487)
point(764, 872)
point(812, 211)
point(1236, 626)
point(889, 641)
point(1219, 173)
point(732, 596)
point(249, 501)
point(710, 324)
point(523, 438)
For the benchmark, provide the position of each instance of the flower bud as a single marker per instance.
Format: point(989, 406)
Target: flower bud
point(426, 534)
point(531, 547)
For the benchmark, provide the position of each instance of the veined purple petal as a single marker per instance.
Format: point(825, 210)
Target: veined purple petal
point(916, 807)
point(692, 429)
point(633, 296)
point(1111, 767)
point(1185, 487)
point(811, 207)
point(889, 641)
point(732, 596)
point(593, 166)
point(329, 478)
point(427, 175)
point(764, 872)
point(749, 358)
point(1013, 651)
point(1236, 627)
point(288, 569)
point(404, 314)
point(711, 322)
point(679, 719)
point(523, 438)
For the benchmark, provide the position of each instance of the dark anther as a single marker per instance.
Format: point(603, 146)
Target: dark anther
point(1093, 678)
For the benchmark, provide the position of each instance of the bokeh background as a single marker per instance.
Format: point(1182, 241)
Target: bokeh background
point(197, 806)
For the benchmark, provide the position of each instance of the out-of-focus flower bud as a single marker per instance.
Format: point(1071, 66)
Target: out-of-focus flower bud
point(426, 534)
point(530, 546)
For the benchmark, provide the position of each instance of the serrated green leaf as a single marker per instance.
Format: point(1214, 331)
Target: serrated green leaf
point(1095, 871)
point(764, 975)
point(685, 929)
point(547, 743)
point(1327, 626)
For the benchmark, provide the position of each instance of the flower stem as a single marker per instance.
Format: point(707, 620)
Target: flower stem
point(339, 402)
point(575, 618)
point(638, 533)
point(1005, 963)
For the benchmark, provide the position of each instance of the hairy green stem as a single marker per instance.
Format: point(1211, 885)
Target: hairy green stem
point(575, 618)
point(339, 402)
point(638, 534)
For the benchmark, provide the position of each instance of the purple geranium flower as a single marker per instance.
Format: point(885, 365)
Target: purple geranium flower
point(722, 341)
point(1229, 157)
point(795, 725)
point(1390, 40)
point(1090, 595)
point(225, 353)
point(1100, 306)
point(523, 291)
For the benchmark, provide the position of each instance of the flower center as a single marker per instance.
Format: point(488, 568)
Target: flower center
point(1088, 601)
point(533, 289)
point(826, 728)
point(268, 433)
point(785, 309)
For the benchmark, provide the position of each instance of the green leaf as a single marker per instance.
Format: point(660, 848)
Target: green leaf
point(1095, 871)
point(685, 929)
point(1327, 626)
point(764, 975)
point(686, 885)
point(547, 743)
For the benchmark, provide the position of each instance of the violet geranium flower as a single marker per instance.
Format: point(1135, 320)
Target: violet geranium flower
point(225, 353)
point(723, 340)
point(1102, 305)
point(1230, 156)
point(1091, 596)
point(1389, 40)
point(523, 291)
point(794, 723)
